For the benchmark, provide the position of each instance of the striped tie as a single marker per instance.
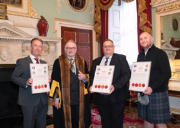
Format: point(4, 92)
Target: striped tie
point(106, 61)
point(72, 65)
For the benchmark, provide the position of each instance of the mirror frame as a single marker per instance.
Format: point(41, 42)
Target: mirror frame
point(163, 8)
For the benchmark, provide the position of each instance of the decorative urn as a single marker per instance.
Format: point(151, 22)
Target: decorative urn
point(42, 26)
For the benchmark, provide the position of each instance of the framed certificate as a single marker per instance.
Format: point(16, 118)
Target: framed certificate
point(140, 73)
point(39, 74)
point(103, 79)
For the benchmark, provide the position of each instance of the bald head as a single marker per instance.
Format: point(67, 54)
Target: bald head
point(146, 33)
point(146, 40)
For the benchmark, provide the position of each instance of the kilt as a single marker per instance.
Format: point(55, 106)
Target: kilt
point(157, 111)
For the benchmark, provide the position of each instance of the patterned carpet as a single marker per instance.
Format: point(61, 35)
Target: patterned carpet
point(131, 119)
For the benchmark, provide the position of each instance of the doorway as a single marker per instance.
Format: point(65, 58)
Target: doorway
point(83, 39)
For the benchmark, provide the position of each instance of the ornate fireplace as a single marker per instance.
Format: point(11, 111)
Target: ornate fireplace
point(15, 44)
point(8, 94)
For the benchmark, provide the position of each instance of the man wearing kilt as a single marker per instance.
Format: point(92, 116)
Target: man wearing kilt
point(157, 112)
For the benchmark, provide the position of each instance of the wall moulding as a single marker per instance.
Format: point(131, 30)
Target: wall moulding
point(11, 36)
point(58, 23)
point(158, 3)
point(163, 8)
point(167, 8)
point(24, 10)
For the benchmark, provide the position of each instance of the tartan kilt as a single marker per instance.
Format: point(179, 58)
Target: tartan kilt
point(158, 110)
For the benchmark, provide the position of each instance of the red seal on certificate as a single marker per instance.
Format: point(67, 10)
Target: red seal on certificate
point(140, 72)
point(103, 79)
point(39, 74)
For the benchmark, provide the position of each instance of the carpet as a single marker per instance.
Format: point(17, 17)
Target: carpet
point(131, 119)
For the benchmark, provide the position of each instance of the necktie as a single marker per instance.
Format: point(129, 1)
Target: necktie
point(72, 65)
point(37, 61)
point(105, 63)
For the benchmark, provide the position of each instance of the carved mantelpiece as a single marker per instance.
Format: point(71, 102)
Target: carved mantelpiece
point(170, 50)
point(15, 44)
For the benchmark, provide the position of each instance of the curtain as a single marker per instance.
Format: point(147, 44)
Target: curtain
point(144, 18)
point(97, 22)
point(101, 19)
point(101, 25)
point(128, 31)
point(104, 29)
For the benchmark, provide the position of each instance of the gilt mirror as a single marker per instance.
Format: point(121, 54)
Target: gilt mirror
point(167, 26)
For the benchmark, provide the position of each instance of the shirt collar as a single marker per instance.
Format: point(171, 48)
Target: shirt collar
point(148, 49)
point(32, 57)
point(70, 57)
point(104, 57)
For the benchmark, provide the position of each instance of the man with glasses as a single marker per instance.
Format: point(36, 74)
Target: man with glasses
point(111, 106)
point(70, 76)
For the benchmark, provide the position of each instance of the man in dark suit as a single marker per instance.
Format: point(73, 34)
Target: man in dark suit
point(111, 106)
point(34, 106)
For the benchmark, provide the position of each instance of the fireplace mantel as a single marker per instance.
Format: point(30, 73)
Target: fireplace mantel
point(15, 44)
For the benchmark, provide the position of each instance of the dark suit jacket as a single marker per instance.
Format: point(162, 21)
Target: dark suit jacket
point(120, 79)
point(20, 75)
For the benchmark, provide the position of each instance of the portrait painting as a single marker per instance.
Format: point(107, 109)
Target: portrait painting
point(78, 5)
point(16, 3)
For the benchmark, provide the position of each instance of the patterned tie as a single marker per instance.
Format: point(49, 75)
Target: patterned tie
point(72, 65)
point(37, 61)
point(106, 61)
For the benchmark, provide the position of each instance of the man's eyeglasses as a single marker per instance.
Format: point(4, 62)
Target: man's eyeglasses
point(70, 48)
point(110, 46)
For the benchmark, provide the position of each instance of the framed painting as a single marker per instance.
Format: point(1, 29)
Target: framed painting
point(14, 3)
point(20, 8)
point(78, 5)
point(3, 11)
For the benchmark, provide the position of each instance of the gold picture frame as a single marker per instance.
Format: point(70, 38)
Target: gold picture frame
point(13, 3)
point(20, 8)
point(3, 11)
point(78, 5)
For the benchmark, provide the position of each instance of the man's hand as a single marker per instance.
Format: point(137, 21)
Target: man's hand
point(148, 91)
point(90, 89)
point(111, 89)
point(49, 79)
point(56, 104)
point(29, 82)
point(81, 76)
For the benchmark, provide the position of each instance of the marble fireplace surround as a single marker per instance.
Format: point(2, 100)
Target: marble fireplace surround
point(15, 44)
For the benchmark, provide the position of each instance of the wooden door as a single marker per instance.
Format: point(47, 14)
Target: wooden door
point(83, 39)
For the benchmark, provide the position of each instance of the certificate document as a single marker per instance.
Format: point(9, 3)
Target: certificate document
point(39, 74)
point(140, 73)
point(103, 79)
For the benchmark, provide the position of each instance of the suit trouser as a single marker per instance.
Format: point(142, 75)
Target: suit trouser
point(58, 117)
point(75, 116)
point(112, 114)
point(35, 113)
